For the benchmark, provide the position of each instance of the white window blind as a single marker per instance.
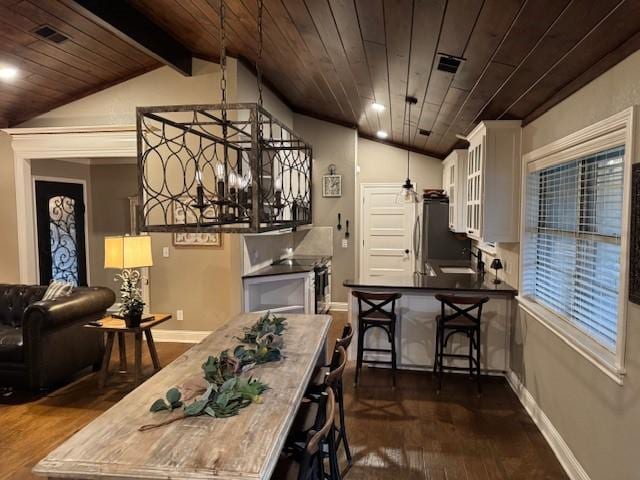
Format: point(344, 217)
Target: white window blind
point(572, 241)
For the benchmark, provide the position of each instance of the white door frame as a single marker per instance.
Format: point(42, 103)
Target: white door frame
point(361, 233)
point(76, 181)
point(56, 143)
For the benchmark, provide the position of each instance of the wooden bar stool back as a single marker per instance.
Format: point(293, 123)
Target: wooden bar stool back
point(377, 310)
point(462, 315)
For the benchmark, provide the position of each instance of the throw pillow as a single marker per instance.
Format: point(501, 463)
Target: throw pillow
point(57, 288)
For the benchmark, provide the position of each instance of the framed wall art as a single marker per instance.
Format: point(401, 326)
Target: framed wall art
point(332, 183)
point(200, 239)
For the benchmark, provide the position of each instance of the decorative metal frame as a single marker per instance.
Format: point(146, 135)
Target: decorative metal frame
point(634, 244)
point(232, 157)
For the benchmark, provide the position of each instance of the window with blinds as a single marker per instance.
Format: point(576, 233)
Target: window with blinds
point(572, 241)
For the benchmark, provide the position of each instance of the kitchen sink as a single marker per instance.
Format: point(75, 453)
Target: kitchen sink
point(453, 269)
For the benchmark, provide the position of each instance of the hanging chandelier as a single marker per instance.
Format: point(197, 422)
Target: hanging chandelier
point(228, 167)
point(408, 193)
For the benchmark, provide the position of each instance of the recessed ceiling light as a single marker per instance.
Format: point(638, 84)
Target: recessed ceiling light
point(382, 134)
point(8, 73)
point(378, 107)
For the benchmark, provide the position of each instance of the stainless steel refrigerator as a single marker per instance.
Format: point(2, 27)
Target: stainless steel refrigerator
point(432, 238)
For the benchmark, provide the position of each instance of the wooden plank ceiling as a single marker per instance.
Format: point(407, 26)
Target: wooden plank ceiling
point(334, 58)
point(50, 73)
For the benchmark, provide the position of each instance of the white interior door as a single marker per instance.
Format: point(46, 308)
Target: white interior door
point(387, 230)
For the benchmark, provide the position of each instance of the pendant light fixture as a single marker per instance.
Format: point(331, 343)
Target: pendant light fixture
point(408, 193)
point(226, 167)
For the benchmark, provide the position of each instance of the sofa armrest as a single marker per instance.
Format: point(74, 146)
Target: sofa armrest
point(81, 303)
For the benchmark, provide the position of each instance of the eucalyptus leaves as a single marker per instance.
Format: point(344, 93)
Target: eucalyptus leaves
point(224, 392)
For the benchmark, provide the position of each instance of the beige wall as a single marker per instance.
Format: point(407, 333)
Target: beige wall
point(338, 145)
point(111, 187)
point(383, 163)
point(598, 419)
point(9, 270)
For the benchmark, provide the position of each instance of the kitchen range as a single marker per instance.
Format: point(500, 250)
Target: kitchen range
point(299, 284)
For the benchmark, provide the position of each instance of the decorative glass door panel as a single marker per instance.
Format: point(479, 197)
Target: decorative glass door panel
point(61, 242)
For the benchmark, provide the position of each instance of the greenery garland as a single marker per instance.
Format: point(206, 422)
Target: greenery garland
point(227, 392)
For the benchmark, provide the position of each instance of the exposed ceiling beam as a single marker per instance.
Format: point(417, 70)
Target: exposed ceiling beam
point(130, 25)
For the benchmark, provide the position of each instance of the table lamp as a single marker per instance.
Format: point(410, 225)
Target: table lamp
point(128, 253)
point(496, 264)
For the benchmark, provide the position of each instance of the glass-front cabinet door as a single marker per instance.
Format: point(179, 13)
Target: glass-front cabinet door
point(474, 188)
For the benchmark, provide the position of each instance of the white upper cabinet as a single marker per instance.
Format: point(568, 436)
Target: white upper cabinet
point(454, 176)
point(492, 181)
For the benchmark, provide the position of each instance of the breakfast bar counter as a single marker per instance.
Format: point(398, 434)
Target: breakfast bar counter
point(245, 446)
point(418, 308)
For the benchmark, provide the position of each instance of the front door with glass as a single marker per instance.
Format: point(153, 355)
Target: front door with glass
point(60, 219)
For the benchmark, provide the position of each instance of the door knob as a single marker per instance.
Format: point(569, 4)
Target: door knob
point(406, 251)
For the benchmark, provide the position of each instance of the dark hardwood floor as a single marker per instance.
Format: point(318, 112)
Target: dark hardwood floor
point(406, 433)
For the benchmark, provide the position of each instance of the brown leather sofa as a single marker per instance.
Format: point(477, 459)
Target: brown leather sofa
point(43, 343)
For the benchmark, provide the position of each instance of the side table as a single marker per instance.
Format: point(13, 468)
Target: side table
point(112, 326)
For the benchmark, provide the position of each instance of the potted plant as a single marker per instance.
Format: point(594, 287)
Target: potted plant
point(132, 305)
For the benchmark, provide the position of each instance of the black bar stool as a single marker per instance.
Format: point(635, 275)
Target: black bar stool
point(460, 320)
point(372, 314)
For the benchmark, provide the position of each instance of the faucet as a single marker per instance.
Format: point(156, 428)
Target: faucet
point(479, 263)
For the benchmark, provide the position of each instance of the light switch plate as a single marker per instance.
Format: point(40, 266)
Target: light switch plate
point(345, 243)
point(180, 315)
point(165, 252)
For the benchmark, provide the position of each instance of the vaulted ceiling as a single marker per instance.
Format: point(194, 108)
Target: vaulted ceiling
point(334, 58)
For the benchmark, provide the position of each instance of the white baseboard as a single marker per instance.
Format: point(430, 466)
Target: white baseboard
point(179, 336)
point(564, 454)
point(339, 306)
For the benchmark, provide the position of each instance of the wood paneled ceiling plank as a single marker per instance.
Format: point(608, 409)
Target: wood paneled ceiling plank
point(23, 87)
point(244, 40)
point(34, 48)
point(325, 25)
point(427, 25)
point(34, 55)
point(575, 22)
point(615, 56)
point(529, 28)
point(59, 15)
point(280, 22)
point(347, 23)
point(43, 84)
point(371, 22)
point(459, 20)
point(28, 66)
point(27, 26)
point(378, 69)
point(276, 55)
point(299, 14)
point(398, 15)
point(624, 21)
point(494, 22)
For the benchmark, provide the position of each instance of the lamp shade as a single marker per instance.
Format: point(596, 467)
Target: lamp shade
point(496, 264)
point(127, 252)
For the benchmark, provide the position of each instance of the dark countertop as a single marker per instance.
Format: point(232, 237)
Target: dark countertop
point(286, 268)
point(280, 269)
point(457, 282)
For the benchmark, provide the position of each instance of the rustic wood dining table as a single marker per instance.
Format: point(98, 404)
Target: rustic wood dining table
point(246, 446)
